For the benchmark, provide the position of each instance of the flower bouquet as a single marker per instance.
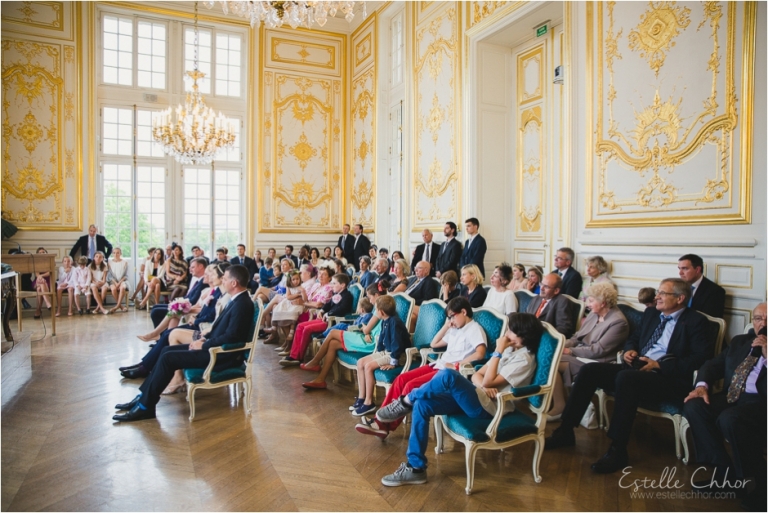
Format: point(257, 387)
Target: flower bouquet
point(179, 307)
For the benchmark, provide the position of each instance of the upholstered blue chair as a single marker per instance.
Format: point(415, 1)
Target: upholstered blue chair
point(515, 427)
point(208, 378)
point(524, 298)
point(577, 309)
point(669, 409)
point(430, 321)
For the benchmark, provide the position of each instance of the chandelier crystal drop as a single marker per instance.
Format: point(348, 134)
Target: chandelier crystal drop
point(197, 134)
point(295, 14)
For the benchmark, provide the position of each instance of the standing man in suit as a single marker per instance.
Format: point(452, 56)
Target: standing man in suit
point(450, 251)
point(474, 246)
point(196, 286)
point(550, 306)
point(347, 245)
point(736, 414)
point(89, 244)
point(249, 264)
point(708, 297)
point(232, 326)
point(660, 356)
point(290, 256)
point(572, 281)
point(360, 246)
point(423, 288)
point(427, 252)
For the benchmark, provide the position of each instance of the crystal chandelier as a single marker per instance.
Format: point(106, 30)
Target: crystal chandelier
point(197, 134)
point(296, 14)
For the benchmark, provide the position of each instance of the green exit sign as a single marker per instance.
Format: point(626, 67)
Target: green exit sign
point(541, 31)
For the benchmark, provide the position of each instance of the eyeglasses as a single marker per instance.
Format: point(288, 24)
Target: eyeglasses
point(662, 293)
point(758, 319)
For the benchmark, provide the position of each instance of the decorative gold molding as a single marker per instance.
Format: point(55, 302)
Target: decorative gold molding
point(363, 49)
point(303, 54)
point(731, 285)
point(535, 54)
point(29, 16)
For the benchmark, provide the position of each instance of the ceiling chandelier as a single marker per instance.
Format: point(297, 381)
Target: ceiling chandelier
point(197, 134)
point(295, 14)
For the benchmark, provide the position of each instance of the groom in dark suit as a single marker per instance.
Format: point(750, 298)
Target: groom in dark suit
point(736, 414)
point(670, 343)
point(232, 326)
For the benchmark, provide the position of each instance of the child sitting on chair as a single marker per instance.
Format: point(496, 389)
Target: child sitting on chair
point(364, 314)
point(80, 283)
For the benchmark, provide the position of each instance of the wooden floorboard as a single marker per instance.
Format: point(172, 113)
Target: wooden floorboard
point(298, 451)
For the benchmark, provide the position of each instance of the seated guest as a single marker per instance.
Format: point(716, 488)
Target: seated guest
point(42, 282)
point(384, 253)
point(206, 314)
point(314, 257)
point(373, 252)
point(472, 285)
point(465, 342)
point(597, 272)
point(290, 256)
point(736, 414)
point(397, 255)
point(570, 276)
point(327, 256)
point(99, 282)
point(341, 303)
point(448, 286)
point(366, 277)
point(303, 255)
point(145, 263)
point(381, 266)
point(196, 287)
point(266, 273)
point(62, 283)
point(338, 254)
point(550, 306)
point(319, 293)
point(708, 297)
point(153, 275)
point(232, 326)
point(400, 282)
point(176, 271)
point(534, 279)
point(277, 284)
point(390, 350)
point(197, 253)
point(257, 260)
point(272, 253)
point(519, 280)
point(647, 296)
point(499, 297)
point(245, 260)
point(221, 254)
point(660, 356)
point(449, 393)
point(422, 288)
point(118, 279)
point(602, 334)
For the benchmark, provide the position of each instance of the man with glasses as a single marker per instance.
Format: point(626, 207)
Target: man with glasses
point(736, 414)
point(660, 356)
point(550, 306)
point(572, 281)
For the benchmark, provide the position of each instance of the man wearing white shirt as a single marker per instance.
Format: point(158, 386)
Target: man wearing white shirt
point(427, 252)
point(669, 344)
point(89, 244)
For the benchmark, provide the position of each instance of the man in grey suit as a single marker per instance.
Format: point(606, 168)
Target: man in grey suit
point(550, 306)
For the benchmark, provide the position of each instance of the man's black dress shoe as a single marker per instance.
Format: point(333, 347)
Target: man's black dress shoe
point(560, 438)
point(613, 460)
point(130, 405)
point(136, 413)
point(137, 373)
point(130, 367)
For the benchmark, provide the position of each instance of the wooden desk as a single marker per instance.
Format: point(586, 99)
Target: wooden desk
point(32, 263)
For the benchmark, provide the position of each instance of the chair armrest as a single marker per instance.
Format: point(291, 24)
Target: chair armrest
point(619, 357)
point(467, 369)
point(224, 348)
point(354, 328)
point(525, 391)
point(409, 354)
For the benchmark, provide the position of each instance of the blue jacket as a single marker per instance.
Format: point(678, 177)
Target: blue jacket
point(265, 275)
point(393, 338)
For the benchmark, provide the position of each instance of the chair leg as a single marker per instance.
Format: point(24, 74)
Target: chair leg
point(602, 399)
point(191, 398)
point(676, 424)
point(537, 449)
point(247, 405)
point(438, 435)
point(684, 426)
point(471, 452)
point(336, 372)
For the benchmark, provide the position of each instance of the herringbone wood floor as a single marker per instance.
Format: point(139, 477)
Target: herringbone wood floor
point(297, 451)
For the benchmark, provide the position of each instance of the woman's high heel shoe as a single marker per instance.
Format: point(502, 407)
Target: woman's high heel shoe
point(175, 390)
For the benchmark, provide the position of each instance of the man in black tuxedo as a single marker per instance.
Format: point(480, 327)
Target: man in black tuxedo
point(736, 414)
point(660, 356)
point(450, 251)
point(360, 246)
point(708, 297)
point(427, 251)
point(423, 287)
point(347, 245)
point(232, 326)
point(196, 286)
point(290, 256)
point(89, 244)
point(474, 246)
point(550, 306)
point(572, 281)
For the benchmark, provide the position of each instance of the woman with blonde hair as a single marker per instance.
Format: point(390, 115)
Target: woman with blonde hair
point(99, 282)
point(534, 279)
point(118, 279)
point(472, 285)
point(62, 282)
point(400, 283)
point(601, 335)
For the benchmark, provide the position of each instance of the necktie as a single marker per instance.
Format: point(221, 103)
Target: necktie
point(415, 284)
point(656, 335)
point(91, 247)
point(691, 300)
point(740, 376)
point(541, 307)
point(426, 253)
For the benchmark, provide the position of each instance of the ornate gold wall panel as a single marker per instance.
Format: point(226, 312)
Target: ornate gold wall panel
point(363, 118)
point(41, 153)
point(673, 128)
point(478, 12)
point(301, 183)
point(531, 98)
point(296, 51)
point(46, 19)
point(437, 108)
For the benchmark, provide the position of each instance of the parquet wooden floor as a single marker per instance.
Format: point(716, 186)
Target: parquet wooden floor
point(298, 451)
